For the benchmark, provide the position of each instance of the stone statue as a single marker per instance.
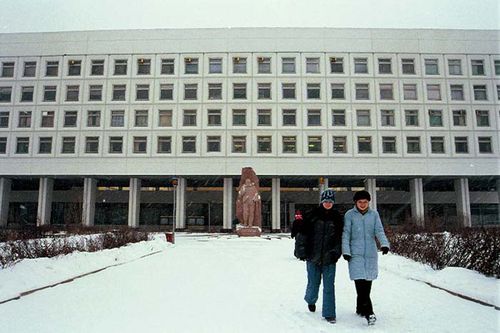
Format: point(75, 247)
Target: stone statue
point(248, 204)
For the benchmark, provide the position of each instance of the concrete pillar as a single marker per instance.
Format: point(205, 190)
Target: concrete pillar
point(463, 201)
point(89, 197)
point(134, 202)
point(291, 211)
point(275, 205)
point(417, 200)
point(227, 215)
point(5, 185)
point(180, 204)
point(44, 210)
point(498, 192)
point(371, 186)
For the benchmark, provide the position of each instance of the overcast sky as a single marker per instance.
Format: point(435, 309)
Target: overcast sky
point(64, 15)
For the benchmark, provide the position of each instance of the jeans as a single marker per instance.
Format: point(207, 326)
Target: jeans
point(314, 274)
point(363, 302)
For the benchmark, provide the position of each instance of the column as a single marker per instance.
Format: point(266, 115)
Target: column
point(180, 204)
point(89, 196)
point(45, 192)
point(417, 201)
point(291, 211)
point(227, 215)
point(5, 185)
point(498, 192)
point(371, 186)
point(463, 201)
point(275, 205)
point(134, 202)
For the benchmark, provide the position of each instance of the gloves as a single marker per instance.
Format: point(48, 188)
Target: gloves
point(384, 249)
point(347, 257)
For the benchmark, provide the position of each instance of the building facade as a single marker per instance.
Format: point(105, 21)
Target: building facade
point(96, 127)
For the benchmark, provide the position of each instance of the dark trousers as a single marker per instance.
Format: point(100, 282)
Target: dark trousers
point(363, 301)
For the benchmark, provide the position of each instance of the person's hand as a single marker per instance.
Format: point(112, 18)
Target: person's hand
point(347, 257)
point(384, 249)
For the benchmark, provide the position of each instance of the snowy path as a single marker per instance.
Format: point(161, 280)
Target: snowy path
point(232, 285)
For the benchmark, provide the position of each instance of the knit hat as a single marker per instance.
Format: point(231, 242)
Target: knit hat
point(361, 195)
point(328, 195)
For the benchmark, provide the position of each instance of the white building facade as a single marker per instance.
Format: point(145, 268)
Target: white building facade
point(95, 126)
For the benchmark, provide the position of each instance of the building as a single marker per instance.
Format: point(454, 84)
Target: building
point(95, 126)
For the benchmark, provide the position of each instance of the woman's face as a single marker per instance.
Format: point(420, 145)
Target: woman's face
point(362, 204)
point(327, 205)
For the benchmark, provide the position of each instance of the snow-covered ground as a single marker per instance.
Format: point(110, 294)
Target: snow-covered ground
point(228, 284)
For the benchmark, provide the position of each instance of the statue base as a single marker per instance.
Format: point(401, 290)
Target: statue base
point(244, 231)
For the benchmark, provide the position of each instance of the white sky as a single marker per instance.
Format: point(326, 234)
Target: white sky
point(64, 15)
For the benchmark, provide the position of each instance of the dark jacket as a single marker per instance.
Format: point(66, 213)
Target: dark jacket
point(298, 232)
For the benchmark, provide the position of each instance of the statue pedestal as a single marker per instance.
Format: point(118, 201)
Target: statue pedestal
point(244, 231)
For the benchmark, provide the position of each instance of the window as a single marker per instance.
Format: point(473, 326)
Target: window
point(72, 93)
point(166, 91)
point(338, 117)
point(49, 93)
point(189, 144)
point(97, 67)
point(413, 145)
point(115, 144)
point(213, 144)
point(68, 145)
point(457, 92)
point(140, 144)
point(477, 67)
point(214, 117)
point(239, 144)
point(239, 65)
point(264, 144)
point(215, 65)
point(264, 90)
point(3, 145)
point(190, 65)
point(386, 91)
point(435, 118)
point(497, 67)
point(314, 144)
point(239, 90)
point(288, 65)
point(141, 118)
point(95, 93)
point(45, 145)
point(437, 144)
point(389, 144)
point(459, 118)
point(164, 145)
point(364, 144)
point(70, 118)
point(47, 119)
point(461, 145)
point(91, 144)
point(484, 143)
point(190, 91)
point(360, 65)
point(8, 69)
point(4, 119)
point(480, 93)
point(433, 92)
point(167, 66)
point(143, 66)
point(117, 118)
point(164, 118)
point(498, 92)
point(189, 118)
point(312, 65)
point(29, 69)
point(363, 118)
point(215, 91)
point(455, 66)
point(338, 91)
point(339, 144)
point(93, 118)
point(264, 117)
point(27, 94)
point(24, 120)
point(362, 92)
point(5, 94)
point(52, 68)
point(263, 65)
point(387, 117)
point(410, 92)
point(288, 90)
point(336, 65)
point(120, 67)
point(408, 66)
point(239, 117)
point(289, 117)
point(313, 91)
point(313, 117)
point(289, 144)
point(431, 67)
point(119, 91)
point(142, 92)
point(22, 145)
point(74, 67)
point(482, 118)
point(384, 66)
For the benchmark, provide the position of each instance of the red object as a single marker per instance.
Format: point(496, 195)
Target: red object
point(298, 215)
point(170, 237)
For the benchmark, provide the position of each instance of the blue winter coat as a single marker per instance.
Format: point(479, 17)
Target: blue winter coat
point(358, 241)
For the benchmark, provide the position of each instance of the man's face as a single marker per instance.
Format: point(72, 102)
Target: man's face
point(362, 204)
point(327, 204)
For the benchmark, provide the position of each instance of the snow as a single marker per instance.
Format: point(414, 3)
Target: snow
point(222, 283)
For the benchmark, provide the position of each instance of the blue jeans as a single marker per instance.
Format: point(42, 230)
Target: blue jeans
point(314, 273)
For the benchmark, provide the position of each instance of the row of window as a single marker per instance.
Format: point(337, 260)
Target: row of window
point(239, 66)
point(239, 144)
point(387, 92)
point(289, 117)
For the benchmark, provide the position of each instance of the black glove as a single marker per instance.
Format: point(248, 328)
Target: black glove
point(384, 249)
point(347, 257)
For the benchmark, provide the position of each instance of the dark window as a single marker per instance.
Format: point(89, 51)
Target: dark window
point(27, 94)
point(142, 92)
point(364, 144)
point(166, 91)
point(45, 145)
point(215, 91)
point(49, 93)
point(95, 92)
point(288, 65)
point(264, 90)
point(263, 65)
point(289, 117)
point(22, 145)
point(29, 69)
point(213, 144)
point(389, 144)
point(120, 67)
point(288, 90)
point(8, 69)
point(167, 66)
point(92, 144)
point(239, 65)
point(5, 94)
point(191, 65)
point(140, 144)
point(115, 144)
point(239, 90)
point(264, 144)
point(52, 68)
point(117, 118)
point(68, 145)
point(215, 65)
point(93, 118)
point(338, 91)
point(408, 66)
point(72, 93)
point(338, 117)
point(119, 91)
point(143, 66)
point(189, 144)
point(313, 90)
point(74, 67)
point(70, 118)
point(314, 144)
point(336, 65)
point(97, 67)
point(164, 145)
